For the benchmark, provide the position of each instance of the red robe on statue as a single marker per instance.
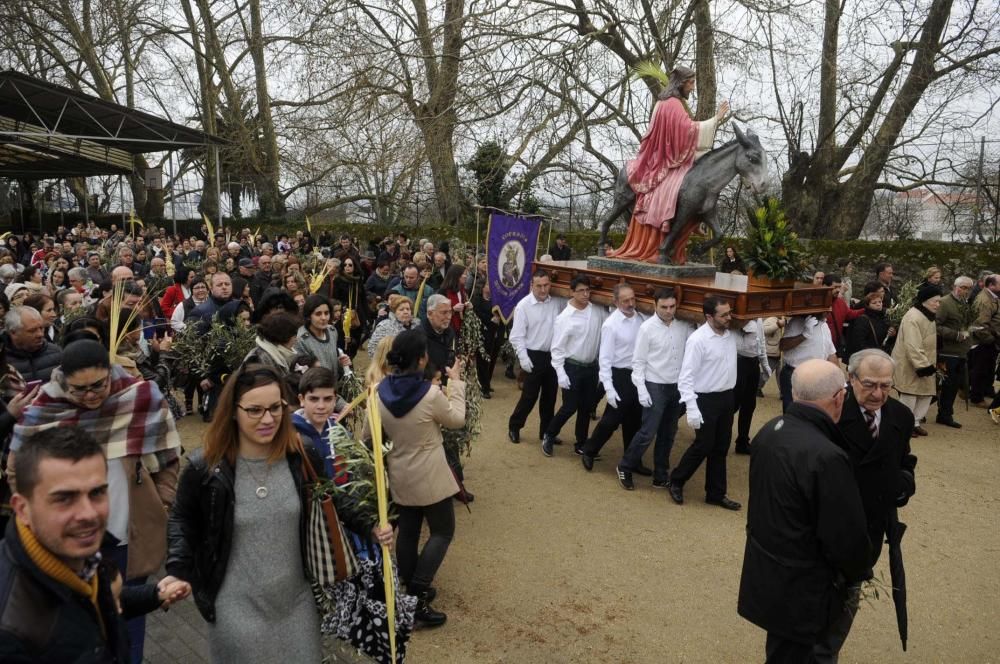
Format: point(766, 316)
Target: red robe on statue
point(666, 154)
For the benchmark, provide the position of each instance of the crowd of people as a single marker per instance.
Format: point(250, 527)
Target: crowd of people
point(89, 373)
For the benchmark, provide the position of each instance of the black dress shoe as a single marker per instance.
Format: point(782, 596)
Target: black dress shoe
point(949, 423)
point(742, 449)
point(676, 493)
point(514, 436)
point(725, 503)
point(643, 470)
point(587, 461)
point(487, 395)
point(547, 446)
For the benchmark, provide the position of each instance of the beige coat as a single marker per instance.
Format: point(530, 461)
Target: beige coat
point(418, 470)
point(916, 347)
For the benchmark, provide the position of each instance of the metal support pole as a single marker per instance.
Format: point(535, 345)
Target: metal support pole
point(121, 195)
point(59, 198)
point(173, 180)
point(20, 205)
point(218, 184)
point(86, 202)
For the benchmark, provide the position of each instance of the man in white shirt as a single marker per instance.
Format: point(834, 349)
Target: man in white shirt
point(531, 338)
point(806, 338)
point(706, 382)
point(656, 365)
point(751, 362)
point(618, 336)
point(576, 339)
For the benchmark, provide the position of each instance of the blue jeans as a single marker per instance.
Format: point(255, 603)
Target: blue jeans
point(136, 626)
point(658, 420)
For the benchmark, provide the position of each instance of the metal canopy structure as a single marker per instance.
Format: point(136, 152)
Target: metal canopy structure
point(48, 131)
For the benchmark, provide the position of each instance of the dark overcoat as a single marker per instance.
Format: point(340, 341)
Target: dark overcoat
point(806, 530)
point(884, 467)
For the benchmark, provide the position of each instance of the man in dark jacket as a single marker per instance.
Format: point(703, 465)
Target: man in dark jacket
point(952, 323)
point(28, 350)
point(441, 350)
point(806, 532)
point(54, 606)
point(560, 251)
point(876, 436)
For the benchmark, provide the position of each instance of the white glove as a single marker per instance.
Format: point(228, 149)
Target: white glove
point(526, 364)
point(612, 398)
point(694, 418)
point(645, 400)
point(563, 379)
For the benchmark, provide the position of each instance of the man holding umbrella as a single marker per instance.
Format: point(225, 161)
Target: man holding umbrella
point(876, 436)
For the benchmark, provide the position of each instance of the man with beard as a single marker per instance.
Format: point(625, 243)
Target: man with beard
point(54, 605)
point(667, 152)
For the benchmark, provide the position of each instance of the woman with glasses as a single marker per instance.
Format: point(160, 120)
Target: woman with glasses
point(237, 530)
point(131, 420)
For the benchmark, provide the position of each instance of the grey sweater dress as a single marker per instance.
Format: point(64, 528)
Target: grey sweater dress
point(265, 610)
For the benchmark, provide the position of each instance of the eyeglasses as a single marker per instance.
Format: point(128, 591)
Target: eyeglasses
point(871, 385)
point(843, 388)
point(93, 388)
point(257, 412)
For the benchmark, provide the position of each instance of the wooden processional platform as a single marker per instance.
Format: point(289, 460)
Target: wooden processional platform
point(692, 284)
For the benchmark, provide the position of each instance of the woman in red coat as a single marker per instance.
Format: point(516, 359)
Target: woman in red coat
point(453, 287)
point(177, 292)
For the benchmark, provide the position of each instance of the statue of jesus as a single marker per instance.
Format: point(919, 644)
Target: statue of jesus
point(668, 150)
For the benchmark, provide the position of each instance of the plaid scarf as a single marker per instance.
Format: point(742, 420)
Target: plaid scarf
point(134, 420)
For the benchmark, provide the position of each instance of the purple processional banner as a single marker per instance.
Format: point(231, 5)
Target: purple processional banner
point(510, 249)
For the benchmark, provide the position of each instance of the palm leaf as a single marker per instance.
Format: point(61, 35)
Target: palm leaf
point(649, 69)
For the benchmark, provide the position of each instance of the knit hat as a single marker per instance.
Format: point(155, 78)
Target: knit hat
point(926, 292)
point(12, 290)
point(84, 354)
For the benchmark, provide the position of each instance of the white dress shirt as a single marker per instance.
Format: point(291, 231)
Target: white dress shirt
point(659, 351)
point(709, 364)
point(532, 325)
point(576, 335)
point(817, 346)
point(748, 343)
point(617, 343)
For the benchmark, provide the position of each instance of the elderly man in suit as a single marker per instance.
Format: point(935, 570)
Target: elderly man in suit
point(876, 436)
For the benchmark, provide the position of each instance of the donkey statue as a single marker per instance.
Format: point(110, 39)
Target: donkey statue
point(698, 194)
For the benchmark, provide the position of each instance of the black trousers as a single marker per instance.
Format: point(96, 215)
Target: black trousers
point(628, 414)
point(541, 381)
point(580, 398)
point(492, 340)
point(955, 369)
point(780, 650)
point(711, 444)
point(982, 371)
point(745, 395)
point(417, 570)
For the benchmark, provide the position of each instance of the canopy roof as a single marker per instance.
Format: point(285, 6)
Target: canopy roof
point(49, 131)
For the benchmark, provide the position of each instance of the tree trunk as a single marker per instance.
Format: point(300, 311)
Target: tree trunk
point(268, 189)
point(704, 60)
point(438, 132)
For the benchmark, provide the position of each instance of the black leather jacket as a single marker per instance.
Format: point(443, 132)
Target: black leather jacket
point(43, 621)
point(200, 528)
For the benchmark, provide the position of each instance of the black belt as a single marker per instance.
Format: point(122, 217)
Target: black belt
point(577, 363)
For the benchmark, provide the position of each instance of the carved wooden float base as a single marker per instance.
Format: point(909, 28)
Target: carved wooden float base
point(755, 302)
